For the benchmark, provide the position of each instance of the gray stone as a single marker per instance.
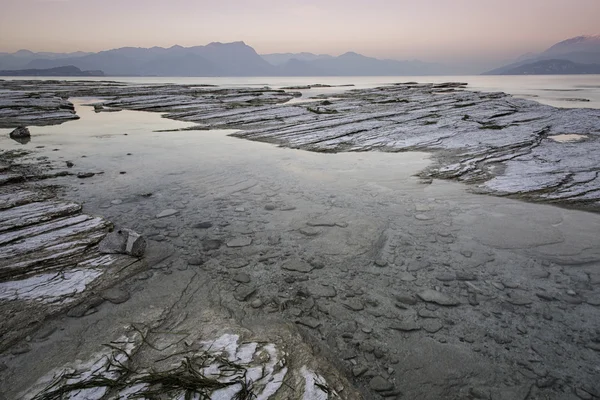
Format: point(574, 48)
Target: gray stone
point(321, 222)
point(241, 277)
point(203, 225)
point(244, 292)
point(21, 132)
point(354, 305)
point(446, 277)
point(123, 241)
point(405, 326)
point(297, 265)
point(379, 384)
point(270, 207)
point(406, 299)
point(432, 325)
point(115, 295)
point(518, 300)
point(195, 261)
point(381, 263)
point(359, 370)
point(310, 231)
point(240, 242)
point(167, 213)
point(318, 291)
point(423, 217)
point(211, 244)
point(310, 322)
point(83, 175)
point(433, 296)
point(20, 349)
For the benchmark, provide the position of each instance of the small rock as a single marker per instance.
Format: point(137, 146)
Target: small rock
point(405, 326)
point(239, 209)
point(545, 296)
point(465, 276)
point(20, 349)
point(21, 132)
point(359, 370)
point(321, 222)
point(123, 241)
point(240, 242)
point(381, 263)
point(433, 296)
point(432, 325)
point(244, 292)
point(203, 225)
point(309, 231)
point(423, 217)
point(310, 322)
point(354, 305)
point(406, 299)
point(167, 213)
point(256, 303)
point(297, 265)
point(195, 261)
point(70, 164)
point(270, 207)
point(518, 300)
point(318, 291)
point(241, 277)
point(115, 295)
point(211, 244)
point(446, 277)
point(379, 384)
point(83, 175)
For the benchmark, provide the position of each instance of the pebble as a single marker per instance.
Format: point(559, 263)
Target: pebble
point(359, 370)
point(433, 296)
point(432, 325)
point(354, 305)
point(240, 242)
point(203, 225)
point(211, 244)
point(256, 303)
point(196, 260)
point(423, 217)
point(406, 299)
point(241, 277)
point(379, 384)
point(405, 326)
point(310, 322)
point(167, 213)
point(270, 207)
point(243, 292)
point(83, 175)
point(297, 265)
point(309, 231)
point(115, 295)
point(318, 291)
point(20, 349)
point(381, 263)
point(239, 209)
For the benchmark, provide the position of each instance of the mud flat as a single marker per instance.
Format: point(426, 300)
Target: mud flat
point(343, 270)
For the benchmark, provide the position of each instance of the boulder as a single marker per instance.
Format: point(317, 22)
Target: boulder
point(123, 241)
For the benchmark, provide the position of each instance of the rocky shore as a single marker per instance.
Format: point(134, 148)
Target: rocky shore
point(280, 270)
point(500, 144)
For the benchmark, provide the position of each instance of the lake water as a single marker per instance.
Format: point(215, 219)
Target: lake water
point(557, 90)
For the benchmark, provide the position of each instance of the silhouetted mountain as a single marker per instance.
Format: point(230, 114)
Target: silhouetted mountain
point(278, 59)
point(59, 71)
point(350, 64)
point(21, 58)
point(578, 50)
point(214, 59)
point(550, 67)
point(218, 59)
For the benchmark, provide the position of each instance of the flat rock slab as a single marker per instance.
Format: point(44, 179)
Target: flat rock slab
point(405, 326)
point(297, 265)
point(433, 296)
point(167, 213)
point(240, 242)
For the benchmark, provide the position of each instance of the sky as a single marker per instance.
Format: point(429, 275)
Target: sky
point(449, 31)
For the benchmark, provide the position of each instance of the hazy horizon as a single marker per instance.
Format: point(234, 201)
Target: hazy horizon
point(462, 31)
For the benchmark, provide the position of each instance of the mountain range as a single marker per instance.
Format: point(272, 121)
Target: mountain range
point(217, 59)
point(578, 55)
point(573, 56)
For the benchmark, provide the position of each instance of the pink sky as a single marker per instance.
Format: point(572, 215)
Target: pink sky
point(431, 30)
